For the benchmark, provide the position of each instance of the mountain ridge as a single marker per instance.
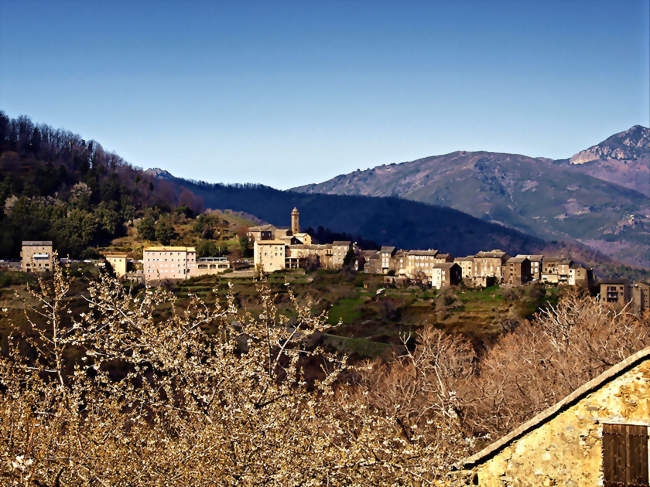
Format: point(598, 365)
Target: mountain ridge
point(551, 199)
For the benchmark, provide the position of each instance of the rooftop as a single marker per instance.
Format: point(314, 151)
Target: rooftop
point(270, 242)
point(162, 248)
point(558, 407)
point(30, 243)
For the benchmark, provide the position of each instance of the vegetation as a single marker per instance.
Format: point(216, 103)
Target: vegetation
point(120, 394)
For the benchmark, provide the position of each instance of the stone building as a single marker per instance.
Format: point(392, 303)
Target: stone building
point(261, 232)
point(517, 271)
point(420, 262)
point(386, 253)
point(615, 291)
point(269, 255)
point(118, 262)
point(371, 261)
point(445, 274)
point(489, 264)
point(641, 297)
point(556, 270)
point(580, 276)
point(340, 249)
point(36, 256)
point(168, 263)
point(597, 435)
point(466, 266)
point(536, 262)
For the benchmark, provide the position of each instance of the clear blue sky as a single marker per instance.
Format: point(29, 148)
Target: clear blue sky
point(287, 93)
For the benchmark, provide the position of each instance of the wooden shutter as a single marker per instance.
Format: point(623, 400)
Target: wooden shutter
point(625, 455)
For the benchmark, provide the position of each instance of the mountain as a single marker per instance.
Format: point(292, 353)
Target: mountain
point(553, 200)
point(623, 159)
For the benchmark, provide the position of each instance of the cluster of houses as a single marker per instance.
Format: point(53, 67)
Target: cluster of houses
point(277, 248)
point(280, 248)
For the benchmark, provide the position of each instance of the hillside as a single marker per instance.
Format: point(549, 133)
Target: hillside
point(54, 185)
point(552, 200)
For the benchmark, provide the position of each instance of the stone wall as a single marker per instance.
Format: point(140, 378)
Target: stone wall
point(567, 449)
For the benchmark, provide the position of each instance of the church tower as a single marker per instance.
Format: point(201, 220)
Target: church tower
point(295, 221)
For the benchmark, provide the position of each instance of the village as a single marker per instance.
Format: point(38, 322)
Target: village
point(287, 248)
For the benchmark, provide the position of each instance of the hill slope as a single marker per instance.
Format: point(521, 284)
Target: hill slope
point(552, 200)
point(387, 220)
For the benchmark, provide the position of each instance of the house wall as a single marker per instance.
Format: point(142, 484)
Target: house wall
point(36, 258)
point(567, 449)
point(118, 263)
point(269, 256)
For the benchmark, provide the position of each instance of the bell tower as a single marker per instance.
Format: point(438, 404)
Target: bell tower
point(295, 221)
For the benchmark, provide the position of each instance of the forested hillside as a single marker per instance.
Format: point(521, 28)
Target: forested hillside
point(54, 185)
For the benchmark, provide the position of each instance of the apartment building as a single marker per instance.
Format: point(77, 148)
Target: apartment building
point(36, 256)
point(269, 255)
point(168, 263)
point(118, 262)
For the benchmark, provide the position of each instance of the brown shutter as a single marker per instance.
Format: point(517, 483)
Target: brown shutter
point(625, 455)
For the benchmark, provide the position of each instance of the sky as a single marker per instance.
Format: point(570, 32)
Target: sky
point(290, 93)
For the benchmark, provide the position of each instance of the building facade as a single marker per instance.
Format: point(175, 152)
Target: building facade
point(36, 256)
point(269, 255)
point(210, 265)
point(536, 262)
point(466, 266)
point(118, 262)
point(596, 436)
point(489, 264)
point(168, 263)
point(641, 297)
point(517, 271)
point(615, 291)
point(556, 270)
point(446, 274)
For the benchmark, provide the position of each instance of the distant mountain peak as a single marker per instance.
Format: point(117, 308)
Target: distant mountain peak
point(629, 144)
point(156, 172)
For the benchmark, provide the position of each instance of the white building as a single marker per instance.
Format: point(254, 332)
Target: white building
point(162, 263)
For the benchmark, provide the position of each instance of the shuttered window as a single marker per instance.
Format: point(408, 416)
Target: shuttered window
point(625, 455)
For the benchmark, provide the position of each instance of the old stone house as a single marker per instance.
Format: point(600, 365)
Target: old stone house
point(466, 264)
point(580, 276)
point(556, 270)
point(596, 436)
point(420, 262)
point(489, 264)
point(615, 291)
point(517, 271)
point(386, 252)
point(641, 297)
point(370, 261)
point(536, 261)
point(445, 274)
point(261, 232)
point(340, 249)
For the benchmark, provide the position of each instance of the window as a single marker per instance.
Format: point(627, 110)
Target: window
point(625, 455)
